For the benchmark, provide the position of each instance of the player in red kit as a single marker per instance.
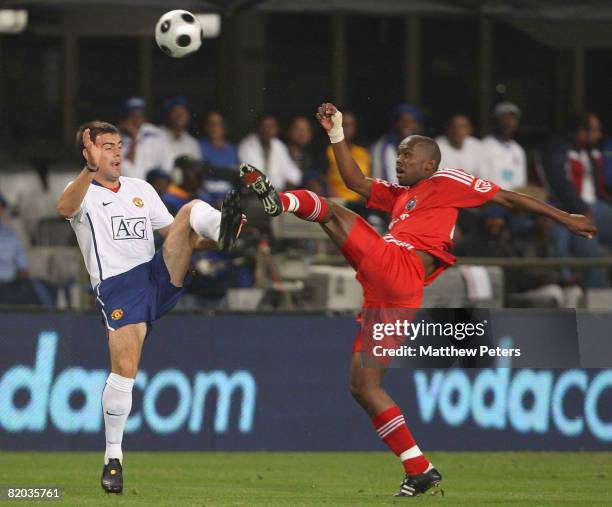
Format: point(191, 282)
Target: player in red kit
point(394, 268)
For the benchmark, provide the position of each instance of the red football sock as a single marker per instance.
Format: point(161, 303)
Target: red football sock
point(391, 428)
point(305, 204)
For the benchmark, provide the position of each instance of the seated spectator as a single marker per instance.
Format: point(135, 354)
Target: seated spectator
point(336, 185)
point(459, 148)
point(573, 173)
point(144, 145)
point(15, 287)
point(177, 115)
point(187, 181)
point(159, 180)
point(299, 144)
point(606, 149)
point(216, 150)
point(405, 121)
point(504, 160)
point(541, 281)
point(213, 269)
point(265, 151)
point(492, 237)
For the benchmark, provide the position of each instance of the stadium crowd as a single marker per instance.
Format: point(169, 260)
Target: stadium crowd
point(573, 170)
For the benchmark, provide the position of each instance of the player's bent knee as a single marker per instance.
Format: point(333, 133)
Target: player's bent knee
point(185, 210)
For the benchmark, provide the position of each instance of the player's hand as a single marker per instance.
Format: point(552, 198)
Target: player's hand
point(93, 151)
point(324, 113)
point(581, 226)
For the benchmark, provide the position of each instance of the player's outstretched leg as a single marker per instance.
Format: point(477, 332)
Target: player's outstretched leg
point(336, 220)
point(389, 422)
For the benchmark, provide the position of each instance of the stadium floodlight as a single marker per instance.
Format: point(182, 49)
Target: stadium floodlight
point(13, 21)
point(211, 25)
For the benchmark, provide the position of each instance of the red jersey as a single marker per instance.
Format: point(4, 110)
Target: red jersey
point(423, 216)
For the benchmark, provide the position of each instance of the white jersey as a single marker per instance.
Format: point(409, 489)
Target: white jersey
point(468, 157)
point(115, 229)
point(504, 162)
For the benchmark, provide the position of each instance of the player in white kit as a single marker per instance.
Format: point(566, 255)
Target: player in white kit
point(114, 217)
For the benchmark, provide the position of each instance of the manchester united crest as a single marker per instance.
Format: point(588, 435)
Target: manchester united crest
point(138, 202)
point(410, 205)
point(117, 314)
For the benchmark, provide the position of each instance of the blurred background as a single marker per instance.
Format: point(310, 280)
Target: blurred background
point(514, 91)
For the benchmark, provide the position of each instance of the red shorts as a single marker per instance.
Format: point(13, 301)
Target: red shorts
point(391, 276)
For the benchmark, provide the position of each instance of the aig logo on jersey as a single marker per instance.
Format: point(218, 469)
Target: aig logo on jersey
point(482, 186)
point(129, 228)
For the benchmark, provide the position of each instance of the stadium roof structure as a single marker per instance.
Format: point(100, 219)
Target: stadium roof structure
point(549, 9)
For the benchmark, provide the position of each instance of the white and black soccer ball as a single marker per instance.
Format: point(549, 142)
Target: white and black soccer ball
point(178, 33)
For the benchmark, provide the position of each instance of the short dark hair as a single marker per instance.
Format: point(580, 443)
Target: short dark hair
point(96, 128)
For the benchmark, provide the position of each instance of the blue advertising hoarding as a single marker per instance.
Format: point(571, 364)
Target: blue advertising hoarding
point(276, 382)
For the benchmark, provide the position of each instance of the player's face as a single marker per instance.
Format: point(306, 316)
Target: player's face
point(413, 162)
point(110, 160)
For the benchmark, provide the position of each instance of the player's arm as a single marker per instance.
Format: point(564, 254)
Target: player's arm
point(71, 199)
point(578, 224)
point(331, 120)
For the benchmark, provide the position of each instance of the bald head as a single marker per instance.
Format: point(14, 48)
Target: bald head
point(429, 146)
point(418, 158)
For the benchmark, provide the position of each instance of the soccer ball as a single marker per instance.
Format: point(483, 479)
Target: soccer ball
point(178, 33)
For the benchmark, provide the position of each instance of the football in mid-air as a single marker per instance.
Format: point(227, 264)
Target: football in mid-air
point(178, 33)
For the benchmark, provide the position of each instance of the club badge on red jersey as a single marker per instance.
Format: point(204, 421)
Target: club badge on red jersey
point(410, 205)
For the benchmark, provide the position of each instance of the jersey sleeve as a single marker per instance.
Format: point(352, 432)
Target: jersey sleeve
point(383, 195)
point(160, 216)
point(460, 189)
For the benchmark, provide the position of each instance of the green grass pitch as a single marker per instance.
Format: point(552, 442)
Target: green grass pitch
point(333, 479)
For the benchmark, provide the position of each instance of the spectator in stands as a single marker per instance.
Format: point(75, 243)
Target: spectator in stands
point(13, 259)
point(15, 288)
point(265, 151)
point(159, 180)
point(177, 114)
point(299, 139)
point(504, 160)
point(492, 237)
point(458, 147)
point(299, 144)
point(405, 121)
point(187, 181)
point(336, 185)
point(213, 268)
point(573, 172)
point(215, 149)
point(606, 149)
point(144, 145)
point(541, 281)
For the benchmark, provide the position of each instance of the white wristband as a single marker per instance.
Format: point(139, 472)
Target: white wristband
point(336, 133)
